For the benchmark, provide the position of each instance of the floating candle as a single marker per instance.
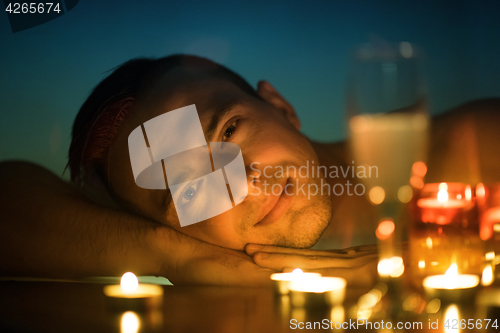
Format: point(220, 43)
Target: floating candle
point(281, 281)
point(451, 286)
point(129, 294)
point(441, 203)
point(129, 287)
point(443, 199)
point(451, 280)
point(436, 203)
point(319, 292)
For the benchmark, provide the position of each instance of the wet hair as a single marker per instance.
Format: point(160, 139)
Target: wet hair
point(112, 100)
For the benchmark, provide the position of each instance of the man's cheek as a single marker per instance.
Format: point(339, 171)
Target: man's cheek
point(224, 232)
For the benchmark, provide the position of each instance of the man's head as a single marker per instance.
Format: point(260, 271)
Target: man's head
point(261, 122)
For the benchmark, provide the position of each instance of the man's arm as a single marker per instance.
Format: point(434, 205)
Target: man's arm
point(48, 229)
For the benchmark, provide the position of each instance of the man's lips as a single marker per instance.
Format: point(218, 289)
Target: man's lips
point(277, 206)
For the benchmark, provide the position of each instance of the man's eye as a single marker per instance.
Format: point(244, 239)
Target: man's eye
point(229, 131)
point(189, 193)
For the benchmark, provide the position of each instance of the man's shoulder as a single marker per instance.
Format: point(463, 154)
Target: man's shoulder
point(94, 189)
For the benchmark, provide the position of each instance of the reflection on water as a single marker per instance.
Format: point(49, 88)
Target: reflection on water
point(130, 322)
point(451, 320)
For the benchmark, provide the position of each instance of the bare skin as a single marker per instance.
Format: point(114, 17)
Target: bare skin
point(63, 234)
point(49, 229)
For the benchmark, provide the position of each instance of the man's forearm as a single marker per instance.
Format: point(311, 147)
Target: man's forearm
point(48, 229)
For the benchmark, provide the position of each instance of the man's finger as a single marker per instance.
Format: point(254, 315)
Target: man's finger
point(279, 261)
point(251, 249)
point(358, 251)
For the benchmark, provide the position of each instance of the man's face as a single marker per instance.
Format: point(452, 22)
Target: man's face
point(273, 150)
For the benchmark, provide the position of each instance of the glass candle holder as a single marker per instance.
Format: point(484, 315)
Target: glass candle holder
point(444, 232)
point(488, 202)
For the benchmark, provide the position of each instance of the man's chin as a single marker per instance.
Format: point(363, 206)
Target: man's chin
point(308, 224)
point(304, 237)
point(299, 241)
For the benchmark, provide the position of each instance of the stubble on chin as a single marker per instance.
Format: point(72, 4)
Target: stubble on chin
point(307, 224)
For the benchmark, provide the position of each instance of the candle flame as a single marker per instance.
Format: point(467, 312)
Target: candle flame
point(129, 282)
point(487, 276)
point(443, 192)
point(451, 276)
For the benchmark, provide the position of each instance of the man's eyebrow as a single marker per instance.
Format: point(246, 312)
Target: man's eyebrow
point(219, 114)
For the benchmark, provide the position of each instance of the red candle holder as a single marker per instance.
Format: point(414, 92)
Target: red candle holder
point(445, 231)
point(447, 203)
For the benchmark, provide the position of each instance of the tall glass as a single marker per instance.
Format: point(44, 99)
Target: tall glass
point(388, 133)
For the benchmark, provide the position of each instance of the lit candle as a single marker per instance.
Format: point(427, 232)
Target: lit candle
point(130, 294)
point(450, 285)
point(442, 208)
point(281, 281)
point(445, 231)
point(319, 292)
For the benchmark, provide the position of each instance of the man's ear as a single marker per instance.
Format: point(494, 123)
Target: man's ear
point(272, 96)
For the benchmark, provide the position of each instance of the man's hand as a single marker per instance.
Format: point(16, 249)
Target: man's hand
point(358, 265)
point(190, 261)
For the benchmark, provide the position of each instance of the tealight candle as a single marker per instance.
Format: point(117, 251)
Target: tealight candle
point(442, 208)
point(281, 281)
point(320, 292)
point(129, 294)
point(451, 285)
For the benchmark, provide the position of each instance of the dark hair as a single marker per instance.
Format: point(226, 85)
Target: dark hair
point(110, 102)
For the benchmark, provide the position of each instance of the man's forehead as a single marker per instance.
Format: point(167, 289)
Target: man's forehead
point(180, 87)
point(212, 97)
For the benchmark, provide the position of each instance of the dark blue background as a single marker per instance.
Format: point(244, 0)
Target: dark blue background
point(301, 47)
